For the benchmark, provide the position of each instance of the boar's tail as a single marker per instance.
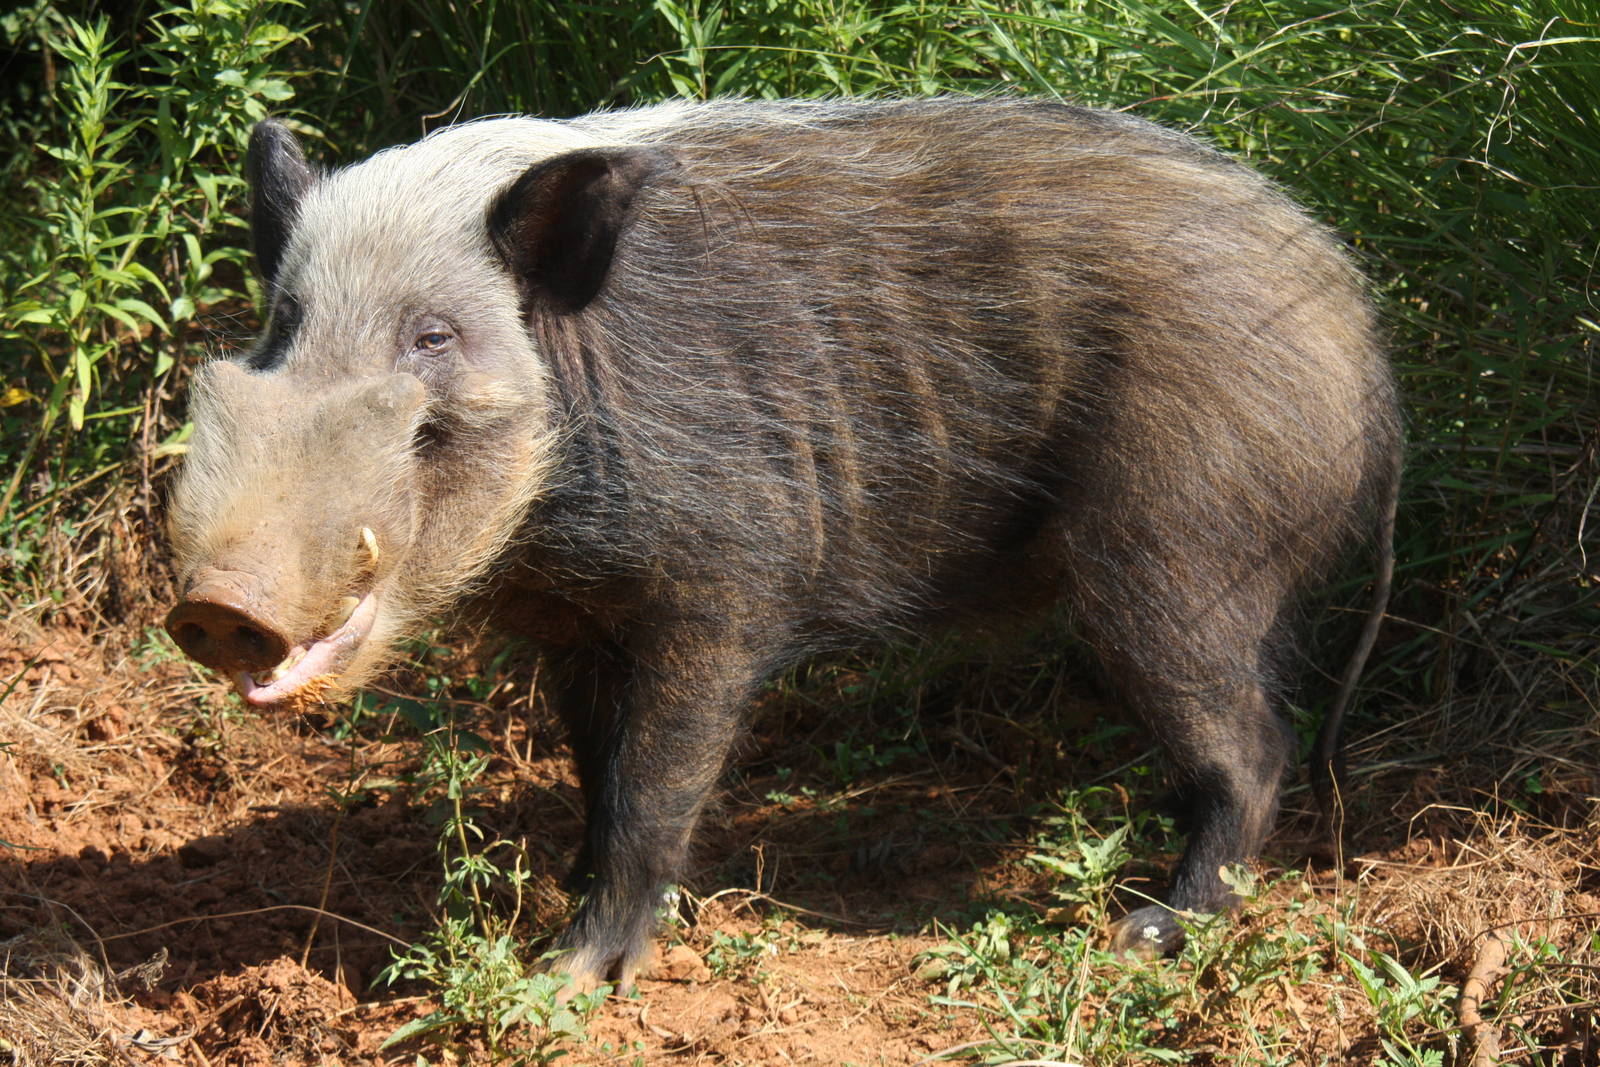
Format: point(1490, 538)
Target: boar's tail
point(1327, 757)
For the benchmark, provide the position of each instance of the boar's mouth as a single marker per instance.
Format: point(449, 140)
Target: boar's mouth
point(222, 622)
point(309, 669)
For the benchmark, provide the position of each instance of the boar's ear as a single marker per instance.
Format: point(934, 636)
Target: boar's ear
point(279, 176)
point(557, 226)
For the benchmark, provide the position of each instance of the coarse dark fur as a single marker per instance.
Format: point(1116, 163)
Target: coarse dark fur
point(815, 373)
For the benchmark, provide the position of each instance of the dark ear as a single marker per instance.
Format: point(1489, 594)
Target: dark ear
point(557, 225)
point(279, 176)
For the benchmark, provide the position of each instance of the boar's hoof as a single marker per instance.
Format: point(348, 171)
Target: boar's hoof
point(585, 972)
point(579, 982)
point(1147, 934)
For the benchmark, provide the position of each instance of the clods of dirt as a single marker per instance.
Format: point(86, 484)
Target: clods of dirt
point(268, 1015)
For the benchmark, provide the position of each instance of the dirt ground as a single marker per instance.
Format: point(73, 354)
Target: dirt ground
point(183, 885)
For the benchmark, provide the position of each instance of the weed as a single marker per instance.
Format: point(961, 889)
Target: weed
point(798, 798)
point(1087, 861)
point(103, 252)
point(471, 957)
point(741, 954)
point(850, 758)
point(1047, 988)
point(1401, 998)
point(155, 647)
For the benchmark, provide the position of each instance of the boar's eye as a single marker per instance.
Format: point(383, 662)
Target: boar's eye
point(432, 340)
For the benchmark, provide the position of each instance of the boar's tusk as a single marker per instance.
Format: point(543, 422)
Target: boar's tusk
point(346, 607)
point(369, 543)
point(281, 669)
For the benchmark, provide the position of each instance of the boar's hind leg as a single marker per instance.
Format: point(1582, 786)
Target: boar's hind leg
point(649, 762)
point(1204, 695)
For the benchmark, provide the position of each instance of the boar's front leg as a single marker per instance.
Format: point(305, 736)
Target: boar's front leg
point(587, 687)
point(651, 729)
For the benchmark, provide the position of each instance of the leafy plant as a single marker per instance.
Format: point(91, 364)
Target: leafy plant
point(1048, 989)
point(105, 259)
point(471, 957)
point(1400, 999)
point(741, 954)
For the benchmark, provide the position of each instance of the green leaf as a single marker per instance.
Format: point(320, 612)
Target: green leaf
point(421, 717)
point(437, 1020)
point(208, 187)
point(139, 270)
point(114, 312)
point(139, 307)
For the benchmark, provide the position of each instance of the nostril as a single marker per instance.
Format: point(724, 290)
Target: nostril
point(257, 644)
point(191, 637)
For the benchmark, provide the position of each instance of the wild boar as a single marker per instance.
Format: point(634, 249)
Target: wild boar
point(697, 391)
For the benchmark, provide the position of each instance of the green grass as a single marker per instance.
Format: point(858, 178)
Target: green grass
point(1048, 990)
point(473, 958)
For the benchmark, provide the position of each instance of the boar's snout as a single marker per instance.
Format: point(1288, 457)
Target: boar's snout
point(220, 624)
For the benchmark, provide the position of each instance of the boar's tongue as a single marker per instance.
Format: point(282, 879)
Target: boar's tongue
point(306, 664)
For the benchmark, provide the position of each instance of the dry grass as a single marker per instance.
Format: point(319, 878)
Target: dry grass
point(1510, 909)
point(56, 1004)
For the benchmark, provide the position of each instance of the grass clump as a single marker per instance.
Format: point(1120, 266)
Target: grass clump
point(53, 1000)
point(1242, 990)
